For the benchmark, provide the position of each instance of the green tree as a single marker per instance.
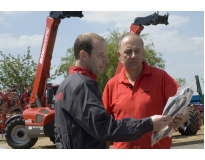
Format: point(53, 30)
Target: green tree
point(19, 71)
point(65, 64)
point(181, 81)
point(152, 57)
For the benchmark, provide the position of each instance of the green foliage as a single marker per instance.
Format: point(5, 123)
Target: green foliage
point(17, 71)
point(112, 39)
point(181, 81)
point(151, 56)
point(66, 62)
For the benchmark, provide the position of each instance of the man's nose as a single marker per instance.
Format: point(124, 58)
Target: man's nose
point(133, 54)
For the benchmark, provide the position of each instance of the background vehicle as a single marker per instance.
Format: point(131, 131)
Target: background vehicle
point(37, 120)
point(11, 103)
point(12, 123)
point(196, 113)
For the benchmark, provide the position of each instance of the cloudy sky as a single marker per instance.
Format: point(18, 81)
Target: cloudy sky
point(181, 42)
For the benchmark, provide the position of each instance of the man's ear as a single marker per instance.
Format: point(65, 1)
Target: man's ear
point(119, 56)
point(82, 55)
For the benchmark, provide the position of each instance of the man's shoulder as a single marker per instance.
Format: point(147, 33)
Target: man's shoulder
point(77, 77)
point(158, 71)
point(114, 79)
point(73, 79)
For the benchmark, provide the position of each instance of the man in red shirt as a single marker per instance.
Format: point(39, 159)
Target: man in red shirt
point(139, 91)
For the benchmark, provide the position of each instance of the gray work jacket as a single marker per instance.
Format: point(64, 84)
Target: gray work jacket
point(82, 122)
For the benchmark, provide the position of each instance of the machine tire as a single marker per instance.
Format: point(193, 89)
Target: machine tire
point(16, 136)
point(52, 139)
point(192, 125)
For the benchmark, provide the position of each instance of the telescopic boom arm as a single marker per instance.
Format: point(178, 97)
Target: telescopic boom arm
point(38, 95)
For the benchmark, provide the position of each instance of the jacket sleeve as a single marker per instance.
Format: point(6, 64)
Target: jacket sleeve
point(88, 111)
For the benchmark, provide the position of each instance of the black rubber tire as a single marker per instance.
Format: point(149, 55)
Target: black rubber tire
point(192, 125)
point(52, 139)
point(16, 136)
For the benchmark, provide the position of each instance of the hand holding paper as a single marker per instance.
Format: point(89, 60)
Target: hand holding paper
point(175, 107)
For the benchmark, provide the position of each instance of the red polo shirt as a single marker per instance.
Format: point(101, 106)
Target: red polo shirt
point(147, 97)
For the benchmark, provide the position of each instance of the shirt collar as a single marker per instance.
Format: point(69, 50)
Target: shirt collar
point(83, 71)
point(145, 70)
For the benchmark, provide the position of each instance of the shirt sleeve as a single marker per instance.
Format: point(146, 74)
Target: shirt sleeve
point(170, 87)
point(88, 111)
point(105, 99)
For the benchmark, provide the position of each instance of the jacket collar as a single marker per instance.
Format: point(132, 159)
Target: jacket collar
point(83, 71)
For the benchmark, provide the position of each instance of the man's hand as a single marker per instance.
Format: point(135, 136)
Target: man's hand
point(179, 119)
point(159, 122)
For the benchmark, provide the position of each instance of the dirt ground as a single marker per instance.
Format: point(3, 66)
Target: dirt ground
point(178, 139)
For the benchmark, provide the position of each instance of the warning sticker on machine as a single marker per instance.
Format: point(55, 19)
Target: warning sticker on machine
point(38, 127)
point(29, 127)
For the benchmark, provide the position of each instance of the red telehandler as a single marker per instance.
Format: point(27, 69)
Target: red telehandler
point(22, 130)
point(38, 119)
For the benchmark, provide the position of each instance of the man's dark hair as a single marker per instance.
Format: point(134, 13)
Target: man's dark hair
point(84, 42)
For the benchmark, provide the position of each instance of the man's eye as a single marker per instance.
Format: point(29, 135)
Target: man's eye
point(127, 52)
point(101, 55)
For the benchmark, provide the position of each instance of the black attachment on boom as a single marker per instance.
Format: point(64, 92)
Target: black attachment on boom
point(65, 14)
point(153, 19)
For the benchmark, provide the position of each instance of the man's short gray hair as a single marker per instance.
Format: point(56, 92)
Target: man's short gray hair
point(126, 34)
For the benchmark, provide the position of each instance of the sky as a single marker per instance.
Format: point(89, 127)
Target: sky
point(181, 42)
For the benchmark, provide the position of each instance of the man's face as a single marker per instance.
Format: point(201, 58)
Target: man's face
point(131, 53)
point(97, 61)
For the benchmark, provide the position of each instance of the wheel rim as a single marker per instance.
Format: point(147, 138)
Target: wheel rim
point(18, 134)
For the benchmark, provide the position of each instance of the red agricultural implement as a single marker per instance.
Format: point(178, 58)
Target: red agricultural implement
point(11, 104)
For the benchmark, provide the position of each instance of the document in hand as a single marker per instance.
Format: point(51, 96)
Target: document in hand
point(174, 106)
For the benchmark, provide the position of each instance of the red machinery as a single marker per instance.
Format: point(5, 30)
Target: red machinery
point(11, 104)
point(23, 130)
point(38, 119)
